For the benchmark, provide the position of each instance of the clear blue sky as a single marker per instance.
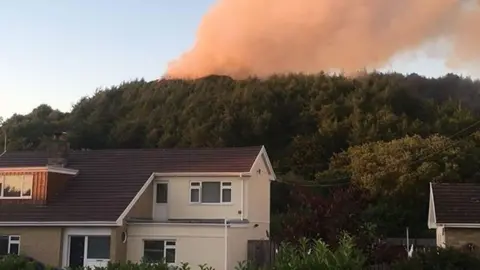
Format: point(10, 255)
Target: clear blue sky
point(56, 53)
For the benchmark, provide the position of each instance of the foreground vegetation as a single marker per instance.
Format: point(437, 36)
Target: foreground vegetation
point(291, 256)
point(352, 154)
point(304, 255)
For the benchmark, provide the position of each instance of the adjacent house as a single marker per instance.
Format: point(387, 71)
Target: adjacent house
point(71, 208)
point(454, 211)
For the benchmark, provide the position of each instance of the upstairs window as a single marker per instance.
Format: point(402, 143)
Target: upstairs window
point(16, 186)
point(210, 192)
point(161, 193)
point(9, 244)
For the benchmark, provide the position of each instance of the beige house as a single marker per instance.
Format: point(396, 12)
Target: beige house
point(454, 212)
point(70, 208)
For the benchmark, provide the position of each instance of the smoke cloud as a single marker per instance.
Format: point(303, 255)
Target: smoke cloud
point(241, 38)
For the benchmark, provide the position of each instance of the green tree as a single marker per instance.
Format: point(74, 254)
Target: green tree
point(397, 174)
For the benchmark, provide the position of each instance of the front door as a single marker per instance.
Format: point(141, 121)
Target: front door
point(77, 251)
point(160, 209)
point(92, 251)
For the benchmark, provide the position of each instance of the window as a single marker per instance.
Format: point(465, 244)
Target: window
point(159, 251)
point(98, 247)
point(16, 186)
point(210, 192)
point(9, 244)
point(162, 193)
point(195, 192)
point(226, 192)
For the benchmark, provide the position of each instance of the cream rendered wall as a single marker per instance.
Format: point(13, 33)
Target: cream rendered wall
point(238, 242)
point(195, 244)
point(179, 206)
point(258, 194)
point(41, 243)
point(257, 211)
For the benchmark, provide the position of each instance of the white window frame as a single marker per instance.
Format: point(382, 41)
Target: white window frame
point(12, 241)
point(226, 186)
point(167, 244)
point(21, 197)
point(197, 185)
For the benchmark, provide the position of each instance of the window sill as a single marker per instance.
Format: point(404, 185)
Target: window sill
point(169, 265)
point(211, 204)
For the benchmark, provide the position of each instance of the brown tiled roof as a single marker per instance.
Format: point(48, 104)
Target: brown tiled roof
point(457, 203)
point(109, 179)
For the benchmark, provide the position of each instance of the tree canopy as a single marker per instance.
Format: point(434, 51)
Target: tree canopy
point(387, 134)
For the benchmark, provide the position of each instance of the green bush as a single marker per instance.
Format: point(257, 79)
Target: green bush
point(14, 262)
point(319, 256)
point(159, 266)
point(440, 259)
point(146, 266)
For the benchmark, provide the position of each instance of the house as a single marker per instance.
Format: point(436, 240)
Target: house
point(454, 212)
point(69, 208)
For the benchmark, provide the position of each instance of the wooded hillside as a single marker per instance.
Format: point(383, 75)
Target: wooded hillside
point(386, 134)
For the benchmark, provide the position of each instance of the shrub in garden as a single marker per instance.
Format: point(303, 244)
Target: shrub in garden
point(440, 259)
point(14, 262)
point(146, 266)
point(319, 256)
point(159, 266)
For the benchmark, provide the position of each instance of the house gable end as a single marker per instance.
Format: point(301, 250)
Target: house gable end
point(263, 157)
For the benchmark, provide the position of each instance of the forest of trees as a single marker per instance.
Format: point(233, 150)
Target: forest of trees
point(350, 153)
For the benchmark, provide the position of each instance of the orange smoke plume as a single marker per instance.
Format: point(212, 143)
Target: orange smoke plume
point(241, 38)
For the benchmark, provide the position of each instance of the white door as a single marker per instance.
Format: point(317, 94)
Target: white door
point(89, 251)
point(160, 207)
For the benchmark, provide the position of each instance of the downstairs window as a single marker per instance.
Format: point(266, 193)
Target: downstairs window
point(9, 244)
point(159, 251)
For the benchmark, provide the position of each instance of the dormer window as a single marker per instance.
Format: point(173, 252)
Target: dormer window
point(16, 186)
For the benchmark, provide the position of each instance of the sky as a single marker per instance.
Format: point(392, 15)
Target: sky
point(55, 54)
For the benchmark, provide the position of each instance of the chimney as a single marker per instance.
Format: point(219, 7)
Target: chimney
point(58, 150)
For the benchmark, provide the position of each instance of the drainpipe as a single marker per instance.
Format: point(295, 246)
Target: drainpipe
point(226, 243)
point(241, 198)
